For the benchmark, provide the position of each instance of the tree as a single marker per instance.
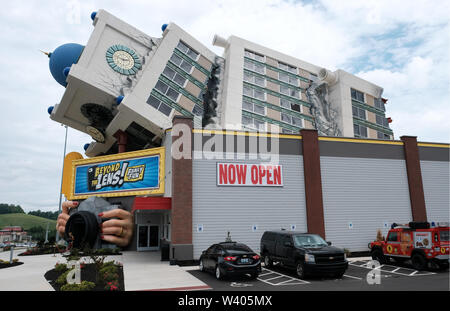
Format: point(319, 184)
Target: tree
point(10, 209)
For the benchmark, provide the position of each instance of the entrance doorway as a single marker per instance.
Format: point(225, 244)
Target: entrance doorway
point(148, 238)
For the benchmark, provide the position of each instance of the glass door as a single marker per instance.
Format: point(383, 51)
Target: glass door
point(148, 237)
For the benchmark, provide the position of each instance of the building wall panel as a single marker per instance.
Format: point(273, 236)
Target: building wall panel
point(360, 196)
point(236, 209)
point(436, 187)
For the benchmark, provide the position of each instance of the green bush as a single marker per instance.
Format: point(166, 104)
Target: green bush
point(109, 272)
point(83, 286)
point(62, 279)
point(60, 267)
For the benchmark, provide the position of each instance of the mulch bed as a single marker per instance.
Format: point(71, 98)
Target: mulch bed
point(8, 265)
point(88, 273)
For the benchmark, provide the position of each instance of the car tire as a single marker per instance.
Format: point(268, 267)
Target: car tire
point(254, 276)
point(339, 275)
point(419, 262)
point(268, 262)
point(377, 254)
point(201, 265)
point(300, 270)
point(218, 273)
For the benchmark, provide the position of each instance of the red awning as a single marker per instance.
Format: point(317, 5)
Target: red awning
point(151, 203)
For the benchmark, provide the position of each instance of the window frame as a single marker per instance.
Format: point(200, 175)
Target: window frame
point(188, 50)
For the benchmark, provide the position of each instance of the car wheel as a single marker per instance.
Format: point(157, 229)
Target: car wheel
point(300, 270)
point(201, 266)
point(268, 262)
point(218, 273)
point(254, 276)
point(378, 255)
point(339, 275)
point(419, 262)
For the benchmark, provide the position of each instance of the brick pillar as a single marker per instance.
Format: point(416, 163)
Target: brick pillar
point(181, 229)
point(313, 182)
point(416, 195)
point(121, 137)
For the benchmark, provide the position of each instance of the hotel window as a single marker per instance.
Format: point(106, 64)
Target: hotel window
point(359, 113)
point(159, 105)
point(166, 90)
point(287, 67)
point(252, 107)
point(187, 50)
point(357, 95)
point(198, 111)
point(259, 68)
point(289, 91)
point(248, 77)
point(174, 76)
point(186, 66)
point(290, 105)
point(379, 104)
point(382, 121)
point(360, 130)
point(248, 91)
point(291, 120)
point(253, 124)
point(255, 56)
point(287, 78)
point(381, 135)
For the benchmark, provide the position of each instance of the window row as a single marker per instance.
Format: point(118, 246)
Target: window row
point(159, 105)
point(359, 113)
point(252, 107)
point(359, 130)
point(357, 95)
point(253, 124)
point(290, 105)
point(259, 68)
point(288, 78)
point(248, 77)
point(166, 90)
point(255, 93)
point(287, 67)
point(177, 60)
point(187, 50)
point(255, 56)
point(379, 104)
point(174, 76)
point(381, 135)
point(382, 121)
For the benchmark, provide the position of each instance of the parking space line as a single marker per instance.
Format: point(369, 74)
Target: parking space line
point(280, 276)
point(352, 277)
point(387, 269)
point(291, 280)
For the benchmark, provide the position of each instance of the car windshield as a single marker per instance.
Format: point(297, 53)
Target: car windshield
point(236, 248)
point(444, 235)
point(309, 240)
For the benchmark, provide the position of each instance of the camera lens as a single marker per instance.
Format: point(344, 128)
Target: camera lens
point(82, 229)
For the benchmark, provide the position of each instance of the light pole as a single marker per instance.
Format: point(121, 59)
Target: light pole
point(62, 175)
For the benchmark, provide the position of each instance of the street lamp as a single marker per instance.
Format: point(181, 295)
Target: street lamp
point(62, 175)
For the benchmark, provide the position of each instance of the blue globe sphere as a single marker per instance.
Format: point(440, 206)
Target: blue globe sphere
point(86, 146)
point(62, 57)
point(164, 26)
point(50, 109)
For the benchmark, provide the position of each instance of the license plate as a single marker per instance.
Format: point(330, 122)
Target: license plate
point(245, 260)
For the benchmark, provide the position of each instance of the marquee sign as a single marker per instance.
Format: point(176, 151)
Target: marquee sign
point(124, 174)
point(245, 174)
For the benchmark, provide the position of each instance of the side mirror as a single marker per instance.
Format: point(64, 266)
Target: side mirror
point(329, 243)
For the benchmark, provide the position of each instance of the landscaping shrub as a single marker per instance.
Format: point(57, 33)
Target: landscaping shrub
point(83, 286)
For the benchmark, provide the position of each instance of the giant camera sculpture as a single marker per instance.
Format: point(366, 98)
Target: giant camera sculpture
point(83, 226)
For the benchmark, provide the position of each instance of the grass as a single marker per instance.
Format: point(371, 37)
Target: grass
point(25, 221)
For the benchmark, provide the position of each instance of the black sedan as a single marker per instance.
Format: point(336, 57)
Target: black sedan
point(230, 258)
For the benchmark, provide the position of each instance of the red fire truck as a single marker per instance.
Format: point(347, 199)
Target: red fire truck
point(421, 242)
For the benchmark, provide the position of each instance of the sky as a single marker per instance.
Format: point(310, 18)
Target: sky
point(402, 46)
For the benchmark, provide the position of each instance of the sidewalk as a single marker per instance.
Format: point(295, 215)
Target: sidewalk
point(142, 271)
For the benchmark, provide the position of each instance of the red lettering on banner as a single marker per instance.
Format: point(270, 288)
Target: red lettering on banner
point(241, 174)
point(262, 173)
point(223, 174)
point(254, 174)
point(269, 174)
point(277, 175)
point(231, 174)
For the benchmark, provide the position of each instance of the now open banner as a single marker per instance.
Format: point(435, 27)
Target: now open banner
point(244, 174)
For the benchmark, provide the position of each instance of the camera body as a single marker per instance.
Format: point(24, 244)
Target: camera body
point(83, 225)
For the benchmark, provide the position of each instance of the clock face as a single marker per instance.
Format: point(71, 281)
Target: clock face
point(96, 134)
point(123, 59)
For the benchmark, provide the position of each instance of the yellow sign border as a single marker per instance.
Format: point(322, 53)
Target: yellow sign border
point(161, 151)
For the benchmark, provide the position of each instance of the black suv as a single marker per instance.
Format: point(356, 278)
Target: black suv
point(307, 253)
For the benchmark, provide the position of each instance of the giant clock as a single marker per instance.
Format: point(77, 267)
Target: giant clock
point(123, 59)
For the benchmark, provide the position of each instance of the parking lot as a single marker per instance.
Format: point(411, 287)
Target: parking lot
point(388, 277)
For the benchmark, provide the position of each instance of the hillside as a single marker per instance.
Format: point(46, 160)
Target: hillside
point(25, 221)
